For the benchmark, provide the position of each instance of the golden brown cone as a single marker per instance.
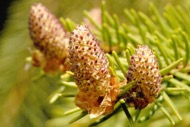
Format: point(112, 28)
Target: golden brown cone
point(49, 37)
point(143, 69)
point(91, 72)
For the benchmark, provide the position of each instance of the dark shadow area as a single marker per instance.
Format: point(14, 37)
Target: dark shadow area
point(4, 12)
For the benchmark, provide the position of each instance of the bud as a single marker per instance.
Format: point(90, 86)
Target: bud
point(95, 14)
point(144, 71)
point(96, 93)
point(49, 37)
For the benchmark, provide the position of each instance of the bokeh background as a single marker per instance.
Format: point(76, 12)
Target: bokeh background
point(24, 100)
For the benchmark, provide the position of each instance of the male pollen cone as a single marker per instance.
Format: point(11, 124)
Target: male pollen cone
point(96, 93)
point(49, 37)
point(143, 69)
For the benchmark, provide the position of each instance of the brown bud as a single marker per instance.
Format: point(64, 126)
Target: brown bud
point(49, 37)
point(144, 71)
point(91, 73)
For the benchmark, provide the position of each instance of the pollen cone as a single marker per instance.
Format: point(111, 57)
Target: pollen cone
point(143, 69)
point(97, 93)
point(50, 38)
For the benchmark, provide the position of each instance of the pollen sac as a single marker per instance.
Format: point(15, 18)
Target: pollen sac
point(49, 37)
point(97, 90)
point(143, 69)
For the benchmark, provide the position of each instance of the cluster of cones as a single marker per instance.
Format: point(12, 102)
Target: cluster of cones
point(80, 52)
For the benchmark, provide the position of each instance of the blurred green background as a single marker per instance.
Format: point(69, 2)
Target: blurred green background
point(23, 100)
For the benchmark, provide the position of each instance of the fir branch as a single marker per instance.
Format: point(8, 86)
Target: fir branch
point(171, 105)
point(125, 109)
point(116, 110)
point(170, 67)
